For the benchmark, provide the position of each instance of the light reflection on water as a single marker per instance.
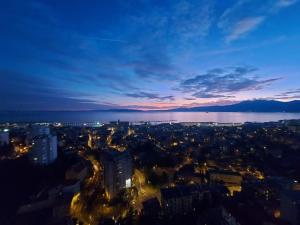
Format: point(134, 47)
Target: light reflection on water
point(222, 117)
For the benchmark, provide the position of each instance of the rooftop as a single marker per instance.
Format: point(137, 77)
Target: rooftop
point(181, 191)
point(294, 195)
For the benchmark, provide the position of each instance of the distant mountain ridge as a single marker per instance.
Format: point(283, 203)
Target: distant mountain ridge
point(247, 106)
point(244, 106)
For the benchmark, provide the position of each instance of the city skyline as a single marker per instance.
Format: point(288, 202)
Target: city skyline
point(147, 54)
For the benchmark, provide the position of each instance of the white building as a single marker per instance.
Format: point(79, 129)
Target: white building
point(43, 146)
point(4, 137)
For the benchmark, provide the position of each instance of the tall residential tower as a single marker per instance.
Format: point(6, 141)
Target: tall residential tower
point(43, 146)
point(117, 171)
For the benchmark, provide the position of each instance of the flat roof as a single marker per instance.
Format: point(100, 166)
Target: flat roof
point(224, 172)
point(181, 191)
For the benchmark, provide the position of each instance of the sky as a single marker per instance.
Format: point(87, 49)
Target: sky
point(147, 54)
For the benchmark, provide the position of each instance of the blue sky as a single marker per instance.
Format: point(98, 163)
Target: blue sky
point(147, 54)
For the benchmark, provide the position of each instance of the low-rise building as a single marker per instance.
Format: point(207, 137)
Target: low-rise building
point(290, 207)
point(182, 199)
point(232, 180)
point(151, 207)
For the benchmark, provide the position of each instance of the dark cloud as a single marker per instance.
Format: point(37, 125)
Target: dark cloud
point(291, 94)
point(153, 67)
point(190, 99)
point(27, 92)
point(243, 70)
point(223, 82)
point(151, 96)
point(287, 97)
point(162, 31)
point(207, 95)
point(91, 58)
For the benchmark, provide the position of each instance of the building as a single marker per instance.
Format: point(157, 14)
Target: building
point(119, 123)
point(4, 137)
point(218, 216)
point(43, 146)
point(232, 180)
point(151, 207)
point(43, 150)
point(117, 171)
point(290, 207)
point(182, 199)
point(94, 141)
point(50, 206)
point(36, 130)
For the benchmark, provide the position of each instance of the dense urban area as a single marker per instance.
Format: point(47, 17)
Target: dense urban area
point(150, 173)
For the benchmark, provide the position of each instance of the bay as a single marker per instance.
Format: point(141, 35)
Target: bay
point(104, 117)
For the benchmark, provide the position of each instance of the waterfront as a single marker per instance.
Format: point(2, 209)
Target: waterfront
point(104, 117)
point(115, 173)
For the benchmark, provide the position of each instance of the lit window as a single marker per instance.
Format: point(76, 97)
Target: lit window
point(128, 183)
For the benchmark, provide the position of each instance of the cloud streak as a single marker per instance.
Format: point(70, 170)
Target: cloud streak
point(151, 96)
point(224, 82)
point(285, 3)
point(288, 95)
point(243, 27)
point(245, 16)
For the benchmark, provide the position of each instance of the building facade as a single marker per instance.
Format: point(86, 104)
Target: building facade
point(231, 180)
point(4, 137)
point(181, 199)
point(43, 146)
point(117, 172)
